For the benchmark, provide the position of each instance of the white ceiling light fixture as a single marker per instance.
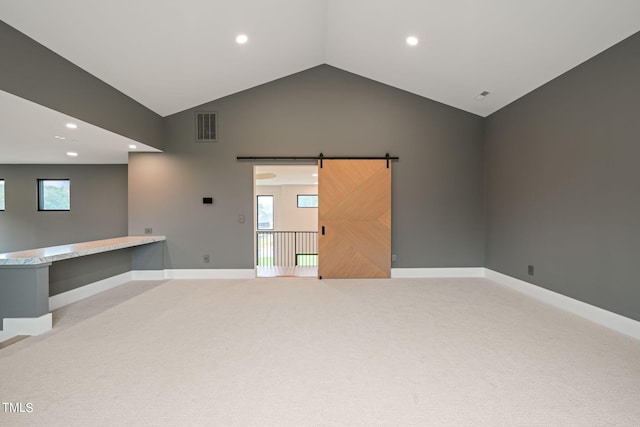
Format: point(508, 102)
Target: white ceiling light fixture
point(266, 175)
point(72, 154)
point(242, 39)
point(133, 147)
point(71, 126)
point(412, 41)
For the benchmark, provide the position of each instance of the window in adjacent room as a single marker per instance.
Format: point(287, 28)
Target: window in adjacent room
point(1, 194)
point(307, 200)
point(265, 212)
point(54, 195)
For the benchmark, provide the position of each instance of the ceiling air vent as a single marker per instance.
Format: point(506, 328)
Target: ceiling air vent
point(482, 95)
point(206, 127)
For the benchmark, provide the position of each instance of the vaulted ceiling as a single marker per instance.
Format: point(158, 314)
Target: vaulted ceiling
point(173, 55)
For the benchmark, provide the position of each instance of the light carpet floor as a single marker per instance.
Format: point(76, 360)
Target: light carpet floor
point(307, 352)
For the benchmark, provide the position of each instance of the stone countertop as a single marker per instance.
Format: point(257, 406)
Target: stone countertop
point(74, 250)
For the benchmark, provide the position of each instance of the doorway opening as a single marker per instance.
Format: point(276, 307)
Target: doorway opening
point(286, 220)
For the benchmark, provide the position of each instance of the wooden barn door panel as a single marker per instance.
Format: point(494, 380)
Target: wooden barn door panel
point(354, 207)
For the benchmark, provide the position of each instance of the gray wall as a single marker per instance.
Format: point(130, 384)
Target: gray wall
point(98, 211)
point(98, 206)
point(560, 167)
point(438, 212)
point(76, 272)
point(563, 183)
point(33, 72)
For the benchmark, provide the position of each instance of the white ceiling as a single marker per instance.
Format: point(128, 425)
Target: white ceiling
point(286, 174)
point(172, 55)
point(31, 133)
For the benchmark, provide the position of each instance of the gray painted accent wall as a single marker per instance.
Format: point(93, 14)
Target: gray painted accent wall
point(31, 71)
point(98, 211)
point(438, 201)
point(98, 206)
point(23, 293)
point(76, 272)
point(563, 183)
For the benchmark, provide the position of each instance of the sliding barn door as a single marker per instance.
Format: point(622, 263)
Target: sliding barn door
point(354, 218)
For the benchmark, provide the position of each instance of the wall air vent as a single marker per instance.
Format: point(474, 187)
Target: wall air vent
point(206, 127)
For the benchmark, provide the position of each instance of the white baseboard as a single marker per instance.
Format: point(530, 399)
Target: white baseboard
point(595, 314)
point(148, 275)
point(26, 326)
point(75, 295)
point(35, 326)
point(86, 291)
point(406, 273)
point(211, 274)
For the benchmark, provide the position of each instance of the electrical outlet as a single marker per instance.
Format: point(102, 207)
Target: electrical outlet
point(394, 257)
point(241, 219)
point(148, 230)
point(206, 258)
point(530, 270)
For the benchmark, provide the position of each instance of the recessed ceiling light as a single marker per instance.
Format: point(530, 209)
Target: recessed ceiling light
point(72, 154)
point(59, 137)
point(72, 125)
point(412, 41)
point(133, 147)
point(242, 39)
point(314, 174)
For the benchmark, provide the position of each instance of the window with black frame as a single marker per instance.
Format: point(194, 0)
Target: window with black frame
point(265, 213)
point(307, 200)
point(54, 195)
